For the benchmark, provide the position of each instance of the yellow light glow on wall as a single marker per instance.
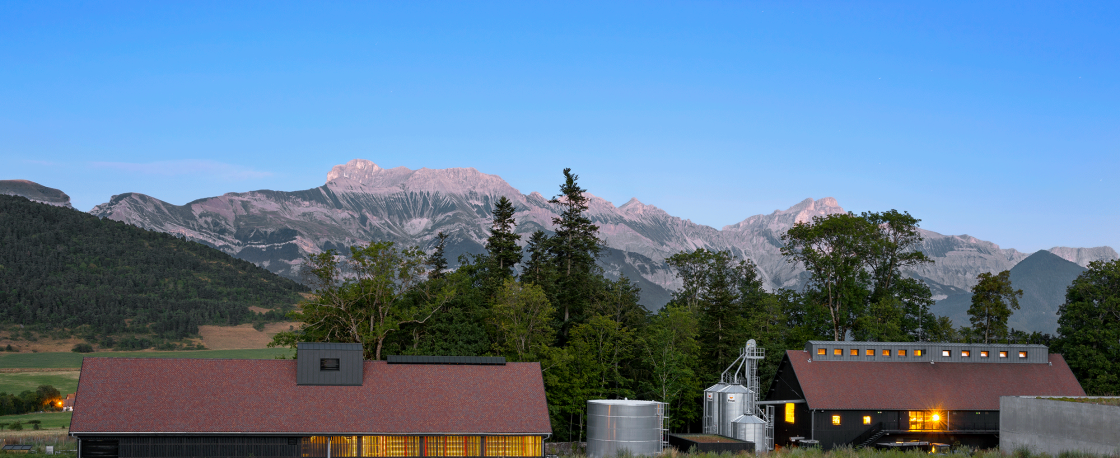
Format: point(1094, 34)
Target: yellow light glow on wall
point(789, 412)
point(513, 446)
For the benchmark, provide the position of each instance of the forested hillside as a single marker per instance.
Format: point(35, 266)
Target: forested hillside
point(61, 269)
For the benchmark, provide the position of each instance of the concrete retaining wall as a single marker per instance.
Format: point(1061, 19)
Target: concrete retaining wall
point(1044, 425)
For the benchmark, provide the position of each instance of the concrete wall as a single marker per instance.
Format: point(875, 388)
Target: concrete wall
point(1049, 426)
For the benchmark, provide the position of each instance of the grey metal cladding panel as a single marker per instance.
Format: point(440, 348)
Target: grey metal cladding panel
point(328, 346)
point(351, 366)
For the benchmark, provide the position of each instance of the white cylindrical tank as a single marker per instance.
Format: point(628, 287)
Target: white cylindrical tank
point(753, 429)
point(615, 425)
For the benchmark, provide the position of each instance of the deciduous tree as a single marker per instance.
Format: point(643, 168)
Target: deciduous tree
point(993, 300)
point(1089, 328)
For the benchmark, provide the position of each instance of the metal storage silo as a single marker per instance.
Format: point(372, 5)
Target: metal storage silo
point(732, 403)
point(615, 425)
point(711, 408)
point(753, 429)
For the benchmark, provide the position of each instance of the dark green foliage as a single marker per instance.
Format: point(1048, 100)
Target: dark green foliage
point(1089, 328)
point(854, 265)
point(64, 269)
point(44, 398)
point(501, 246)
point(82, 348)
point(993, 301)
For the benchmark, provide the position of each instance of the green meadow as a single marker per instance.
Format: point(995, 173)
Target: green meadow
point(74, 360)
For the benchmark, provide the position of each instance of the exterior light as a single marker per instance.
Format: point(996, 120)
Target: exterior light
point(936, 417)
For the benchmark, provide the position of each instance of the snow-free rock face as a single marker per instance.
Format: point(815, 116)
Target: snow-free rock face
point(35, 192)
point(1083, 256)
point(361, 202)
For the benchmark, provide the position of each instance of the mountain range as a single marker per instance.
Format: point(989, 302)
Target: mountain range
point(361, 201)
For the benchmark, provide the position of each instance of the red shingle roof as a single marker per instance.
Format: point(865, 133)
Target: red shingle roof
point(859, 385)
point(261, 396)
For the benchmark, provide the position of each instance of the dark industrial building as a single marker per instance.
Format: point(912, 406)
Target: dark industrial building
point(327, 403)
point(869, 393)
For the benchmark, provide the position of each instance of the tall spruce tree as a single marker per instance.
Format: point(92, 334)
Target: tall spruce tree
point(501, 247)
point(573, 249)
point(437, 262)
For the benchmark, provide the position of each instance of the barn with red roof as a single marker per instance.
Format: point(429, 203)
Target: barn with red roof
point(868, 393)
point(328, 402)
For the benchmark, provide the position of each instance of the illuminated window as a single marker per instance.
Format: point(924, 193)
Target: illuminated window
point(886, 352)
point(341, 446)
point(902, 353)
point(869, 352)
point(922, 420)
point(789, 412)
point(867, 419)
point(917, 353)
point(452, 446)
point(1003, 354)
point(513, 446)
point(820, 351)
point(837, 352)
point(945, 353)
point(983, 354)
point(384, 446)
point(854, 352)
point(964, 353)
point(836, 420)
point(1022, 354)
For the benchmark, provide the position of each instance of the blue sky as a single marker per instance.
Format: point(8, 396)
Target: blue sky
point(996, 119)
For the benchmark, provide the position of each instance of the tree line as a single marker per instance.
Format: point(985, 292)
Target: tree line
point(65, 270)
point(44, 398)
point(546, 300)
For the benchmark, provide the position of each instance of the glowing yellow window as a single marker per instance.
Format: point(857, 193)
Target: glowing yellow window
point(925, 421)
point(917, 353)
point(837, 352)
point(964, 353)
point(820, 351)
point(945, 353)
point(836, 420)
point(513, 446)
point(886, 352)
point(869, 352)
point(1003, 354)
point(902, 353)
point(789, 412)
point(452, 446)
point(867, 419)
point(853, 352)
point(390, 446)
point(983, 354)
point(1022, 354)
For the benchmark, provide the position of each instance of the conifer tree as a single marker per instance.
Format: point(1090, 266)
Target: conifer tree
point(501, 246)
point(574, 249)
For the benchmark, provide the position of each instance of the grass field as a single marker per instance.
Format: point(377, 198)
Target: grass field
point(51, 420)
point(17, 382)
point(74, 360)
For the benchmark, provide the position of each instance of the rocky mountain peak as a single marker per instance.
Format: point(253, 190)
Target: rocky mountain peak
point(1083, 256)
point(35, 192)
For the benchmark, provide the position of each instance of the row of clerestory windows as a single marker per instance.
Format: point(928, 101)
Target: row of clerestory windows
point(915, 353)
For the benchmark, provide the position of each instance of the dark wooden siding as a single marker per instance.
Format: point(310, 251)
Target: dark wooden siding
point(191, 446)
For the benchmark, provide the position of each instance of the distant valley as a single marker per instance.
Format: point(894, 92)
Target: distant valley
point(361, 201)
